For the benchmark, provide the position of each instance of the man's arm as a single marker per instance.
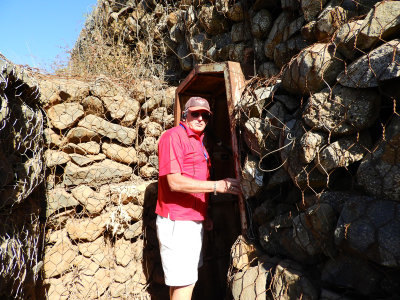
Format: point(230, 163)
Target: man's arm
point(179, 183)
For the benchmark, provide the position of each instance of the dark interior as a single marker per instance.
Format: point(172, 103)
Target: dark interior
point(224, 209)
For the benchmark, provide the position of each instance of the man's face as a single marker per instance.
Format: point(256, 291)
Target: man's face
point(197, 120)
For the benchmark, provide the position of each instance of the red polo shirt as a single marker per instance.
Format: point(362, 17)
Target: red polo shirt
point(180, 150)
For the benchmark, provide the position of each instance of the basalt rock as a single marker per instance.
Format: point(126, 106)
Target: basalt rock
point(373, 68)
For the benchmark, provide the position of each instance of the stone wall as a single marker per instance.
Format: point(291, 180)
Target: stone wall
point(101, 161)
point(21, 176)
point(318, 127)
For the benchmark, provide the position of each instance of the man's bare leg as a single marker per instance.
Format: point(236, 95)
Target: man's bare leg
point(181, 292)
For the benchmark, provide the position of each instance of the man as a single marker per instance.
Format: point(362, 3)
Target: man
point(182, 200)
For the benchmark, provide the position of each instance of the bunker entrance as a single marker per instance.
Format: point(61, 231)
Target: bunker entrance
point(221, 85)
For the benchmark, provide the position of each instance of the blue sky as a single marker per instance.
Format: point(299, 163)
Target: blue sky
point(38, 32)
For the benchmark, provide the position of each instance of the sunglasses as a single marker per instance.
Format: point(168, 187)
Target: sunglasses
point(204, 115)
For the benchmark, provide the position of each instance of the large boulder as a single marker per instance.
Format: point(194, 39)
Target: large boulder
point(371, 228)
point(381, 23)
point(116, 101)
point(352, 273)
point(379, 171)
point(213, 22)
point(345, 39)
point(122, 134)
point(342, 110)
point(64, 115)
point(106, 171)
point(276, 35)
point(315, 68)
point(370, 70)
point(290, 282)
point(343, 152)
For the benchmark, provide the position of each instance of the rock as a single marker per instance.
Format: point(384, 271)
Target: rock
point(65, 115)
point(289, 282)
point(329, 295)
point(153, 129)
point(148, 171)
point(329, 21)
point(370, 70)
point(370, 227)
point(292, 5)
point(58, 258)
point(268, 69)
point(104, 172)
point(278, 178)
point(149, 145)
point(122, 134)
point(119, 153)
point(351, 272)
point(303, 175)
point(312, 8)
point(252, 177)
point(379, 170)
point(84, 160)
point(253, 101)
point(116, 101)
point(51, 138)
point(134, 230)
point(239, 32)
point(342, 110)
point(54, 158)
point(87, 229)
point(284, 52)
point(160, 115)
point(313, 229)
point(134, 211)
point(91, 286)
point(343, 152)
point(98, 251)
point(261, 24)
point(57, 90)
point(91, 148)
point(254, 135)
point(185, 58)
point(258, 47)
point(93, 106)
point(142, 159)
point(58, 199)
point(242, 254)
point(276, 34)
point(92, 201)
point(251, 283)
point(85, 265)
point(312, 70)
point(236, 12)
point(236, 52)
point(311, 142)
point(345, 39)
point(212, 22)
point(58, 287)
point(198, 45)
point(123, 250)
point(381, 24)
point(177, 33)
point(82, 135)
point(290, 103)
point(125, 192)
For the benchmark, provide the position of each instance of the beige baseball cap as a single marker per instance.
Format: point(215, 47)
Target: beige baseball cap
point(197, 103)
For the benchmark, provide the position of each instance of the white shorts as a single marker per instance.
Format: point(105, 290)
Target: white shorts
point(180, 249)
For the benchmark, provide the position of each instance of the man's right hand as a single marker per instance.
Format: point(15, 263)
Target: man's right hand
point(229, 185)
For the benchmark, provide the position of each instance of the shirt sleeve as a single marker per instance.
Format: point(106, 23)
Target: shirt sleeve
point(170, 154)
